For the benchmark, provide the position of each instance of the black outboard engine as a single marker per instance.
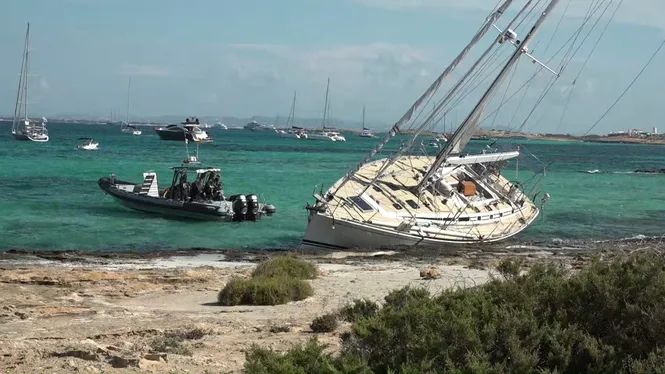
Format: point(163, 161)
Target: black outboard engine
point(269, 209)
point(253, 213)
point(239, 208)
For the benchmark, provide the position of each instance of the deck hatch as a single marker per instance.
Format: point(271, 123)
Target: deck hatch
point(362, 204)
point(412, 204)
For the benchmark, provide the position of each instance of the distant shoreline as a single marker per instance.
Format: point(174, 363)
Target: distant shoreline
point(480, 135)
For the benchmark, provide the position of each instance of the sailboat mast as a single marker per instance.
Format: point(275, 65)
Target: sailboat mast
point(431, 89)
point(445, 127)
point(25, 73)
point(129, 88)
point(363, 117)
point(453, 91)
point(21, 83)
point(471, 122)
point(293, 109)
point(325, 106)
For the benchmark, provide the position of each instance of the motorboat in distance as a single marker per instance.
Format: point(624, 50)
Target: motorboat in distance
point(88, 144)
point(190, 130)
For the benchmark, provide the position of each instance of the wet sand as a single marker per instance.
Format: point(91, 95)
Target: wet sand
point(68, 312)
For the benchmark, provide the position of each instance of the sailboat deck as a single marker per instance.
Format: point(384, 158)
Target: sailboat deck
point(393, 199)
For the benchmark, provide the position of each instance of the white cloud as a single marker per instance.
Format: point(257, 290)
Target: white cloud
point(352, 65)
point(638, 12)
point(379, 75)
point(143, 70)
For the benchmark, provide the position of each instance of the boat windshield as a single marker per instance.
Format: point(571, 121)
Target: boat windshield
point(207, 184)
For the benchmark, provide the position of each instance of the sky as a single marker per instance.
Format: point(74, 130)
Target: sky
point(245, 58)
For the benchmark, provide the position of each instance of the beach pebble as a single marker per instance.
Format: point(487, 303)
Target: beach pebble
point(430, 273)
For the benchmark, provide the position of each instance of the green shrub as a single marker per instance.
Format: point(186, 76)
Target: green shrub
point(275, 329)
point(264, 291)
point(324, 323)
point(359, 308)
point(171, 342)
point(510, 267)
point(286, 266)
point(607, 318)
point(301, 359)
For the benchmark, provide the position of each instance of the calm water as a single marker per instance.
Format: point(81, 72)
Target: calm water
point(49, 198)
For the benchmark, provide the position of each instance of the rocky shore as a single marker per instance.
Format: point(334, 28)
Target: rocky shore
point(78, 312)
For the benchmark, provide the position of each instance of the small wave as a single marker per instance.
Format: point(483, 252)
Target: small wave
point(621, 172)
point(582, 244)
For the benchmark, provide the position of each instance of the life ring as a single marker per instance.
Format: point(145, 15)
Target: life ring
point(166, 191)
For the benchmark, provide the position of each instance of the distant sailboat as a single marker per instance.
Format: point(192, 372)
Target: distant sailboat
point(23, 128)
point(126, 126)
point(294, 131)
point(326, 133)
point(365, 133)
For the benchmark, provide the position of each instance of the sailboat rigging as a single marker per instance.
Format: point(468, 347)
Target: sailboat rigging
point(23, 128)
point(450, 198)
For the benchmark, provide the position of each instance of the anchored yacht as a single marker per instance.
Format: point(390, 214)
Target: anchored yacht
point(24, 128)
point(326, 132)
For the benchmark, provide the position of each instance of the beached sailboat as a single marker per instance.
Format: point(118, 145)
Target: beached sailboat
point(24, 128)
point(366, 133)
point(453, 197)
point(126, 126)
point(326, 132)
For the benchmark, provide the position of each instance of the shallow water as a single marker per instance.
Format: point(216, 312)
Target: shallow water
point(49, 198)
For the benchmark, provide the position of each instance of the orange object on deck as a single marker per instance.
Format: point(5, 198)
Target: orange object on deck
point(468, 188)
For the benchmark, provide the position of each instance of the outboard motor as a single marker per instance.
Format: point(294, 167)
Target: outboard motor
point(253, 213)
point(269, 209)
point(239, 208)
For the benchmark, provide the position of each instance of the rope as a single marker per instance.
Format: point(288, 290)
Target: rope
point(627, 88)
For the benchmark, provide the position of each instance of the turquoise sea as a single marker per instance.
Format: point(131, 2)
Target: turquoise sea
point(49, 198)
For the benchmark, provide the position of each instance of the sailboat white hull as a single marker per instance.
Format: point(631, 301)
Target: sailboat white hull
point(325, 232)
point(38, 138)
point(325, 136)
point(480, 209)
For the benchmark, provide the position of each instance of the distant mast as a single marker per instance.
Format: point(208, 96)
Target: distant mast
point(363, 117)
point(326, 107)
point(129, 89)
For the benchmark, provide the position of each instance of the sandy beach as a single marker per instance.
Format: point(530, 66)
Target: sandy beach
point(67, 313)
